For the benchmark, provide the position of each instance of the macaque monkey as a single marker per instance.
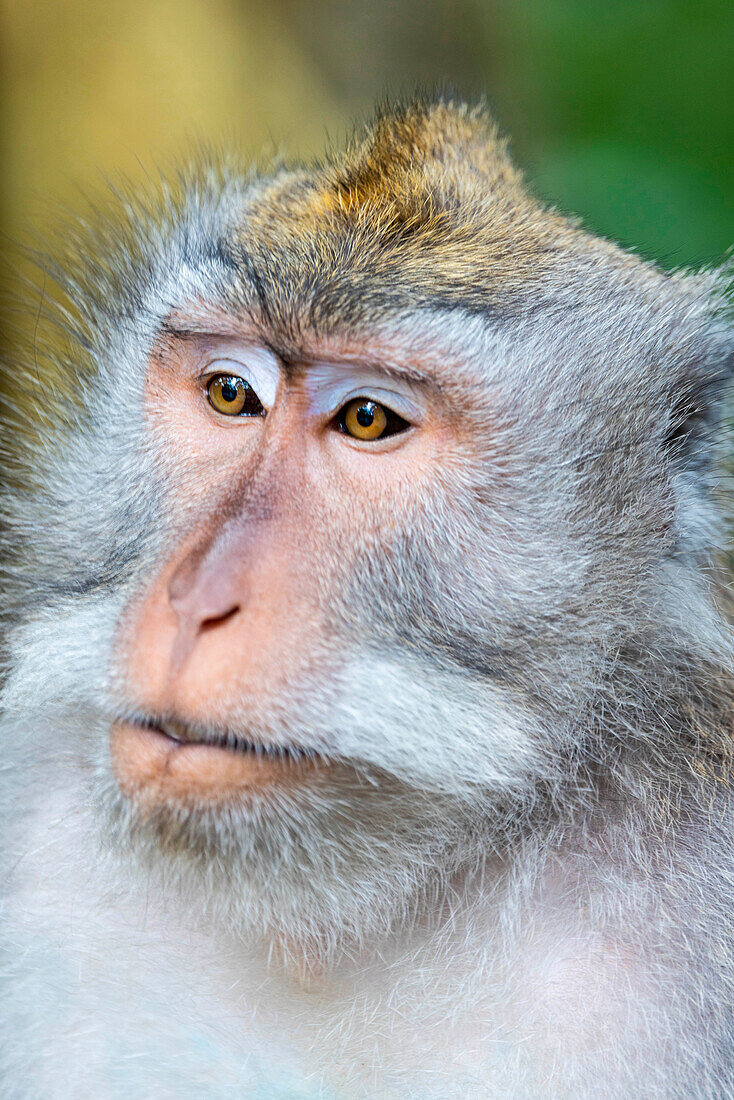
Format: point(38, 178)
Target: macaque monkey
point(367, 710)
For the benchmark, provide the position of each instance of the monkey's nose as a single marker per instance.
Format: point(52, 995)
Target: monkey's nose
point(203, 596)
point(200, 609)
point(197, 614)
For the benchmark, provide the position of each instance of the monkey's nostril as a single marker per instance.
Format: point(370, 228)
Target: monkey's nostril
point(217, 620)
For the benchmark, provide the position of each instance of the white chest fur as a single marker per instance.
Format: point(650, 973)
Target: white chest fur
point(131, 994)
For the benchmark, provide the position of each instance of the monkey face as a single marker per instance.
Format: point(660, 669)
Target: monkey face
point(266, 660)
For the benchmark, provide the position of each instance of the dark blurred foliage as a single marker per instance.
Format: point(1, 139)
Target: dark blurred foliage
point(366, 50)
point(624, 112)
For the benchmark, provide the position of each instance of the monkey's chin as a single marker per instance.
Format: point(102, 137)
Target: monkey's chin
point(153, 769)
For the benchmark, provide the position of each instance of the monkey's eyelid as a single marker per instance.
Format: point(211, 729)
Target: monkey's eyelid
point(334, 402)
point(259, 375)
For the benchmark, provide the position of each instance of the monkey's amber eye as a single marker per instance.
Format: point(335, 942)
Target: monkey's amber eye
point(232, 396)
point(366, 420)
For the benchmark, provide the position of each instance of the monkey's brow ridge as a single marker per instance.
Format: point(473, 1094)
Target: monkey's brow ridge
point(292, 361)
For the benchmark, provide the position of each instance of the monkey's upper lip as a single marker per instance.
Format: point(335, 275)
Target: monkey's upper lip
point(185, 734)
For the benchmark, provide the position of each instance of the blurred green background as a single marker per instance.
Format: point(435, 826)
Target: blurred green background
point(620, 110)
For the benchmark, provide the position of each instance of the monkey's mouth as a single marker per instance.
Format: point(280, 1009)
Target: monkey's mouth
point(183, 734)
point(168, 761)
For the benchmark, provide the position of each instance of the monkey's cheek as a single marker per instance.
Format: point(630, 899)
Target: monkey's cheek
point(154, 771)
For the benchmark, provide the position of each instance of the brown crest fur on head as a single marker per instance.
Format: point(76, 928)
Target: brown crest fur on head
point(424, 207)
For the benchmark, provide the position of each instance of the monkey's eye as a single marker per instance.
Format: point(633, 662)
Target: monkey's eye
point(232, 396)
point(367, 420)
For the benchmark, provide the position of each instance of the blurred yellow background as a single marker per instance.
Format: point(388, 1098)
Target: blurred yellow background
point(622, 110)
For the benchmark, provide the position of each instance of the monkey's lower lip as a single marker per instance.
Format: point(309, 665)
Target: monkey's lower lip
point(153, 766)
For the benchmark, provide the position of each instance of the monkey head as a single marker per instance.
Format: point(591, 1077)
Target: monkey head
point(385, 481)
